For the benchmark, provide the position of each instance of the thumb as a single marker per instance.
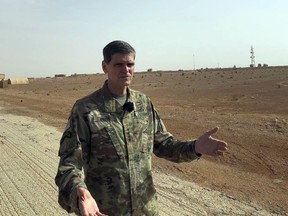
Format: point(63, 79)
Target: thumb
point(214, 130)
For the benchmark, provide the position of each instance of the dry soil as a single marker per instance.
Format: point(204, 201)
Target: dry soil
point(248, 104)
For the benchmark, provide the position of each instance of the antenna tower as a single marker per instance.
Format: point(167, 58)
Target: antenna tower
point(252, 57)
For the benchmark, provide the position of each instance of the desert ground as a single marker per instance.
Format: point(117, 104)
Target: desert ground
point(249, 105)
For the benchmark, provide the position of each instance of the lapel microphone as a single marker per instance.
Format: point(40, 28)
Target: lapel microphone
point(128, 106)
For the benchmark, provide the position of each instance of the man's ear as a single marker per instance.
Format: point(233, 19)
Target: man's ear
point(104, 66)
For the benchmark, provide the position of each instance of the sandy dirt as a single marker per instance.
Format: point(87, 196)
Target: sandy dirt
point(28, 165)
point(249, 105)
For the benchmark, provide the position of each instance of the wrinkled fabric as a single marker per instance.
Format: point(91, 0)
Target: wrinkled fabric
point(114, 148)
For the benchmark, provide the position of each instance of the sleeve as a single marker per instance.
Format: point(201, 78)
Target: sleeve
point(166, 146)
point(69, 176)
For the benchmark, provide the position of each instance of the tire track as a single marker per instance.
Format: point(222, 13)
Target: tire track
point(29, 155)
point(31, 146)
point(37, 167)
point(27, 174)
point(15, 195)
point(27, 171)
point(6, 203)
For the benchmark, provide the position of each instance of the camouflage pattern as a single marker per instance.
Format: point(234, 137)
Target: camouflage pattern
point(114, 148)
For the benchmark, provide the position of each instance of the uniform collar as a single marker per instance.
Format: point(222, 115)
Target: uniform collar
point(109, 102)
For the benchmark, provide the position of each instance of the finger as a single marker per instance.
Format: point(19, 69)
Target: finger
point(219, 153)
point(214, 130)
point(100, 214)
point(222, 148)
point(222, 144)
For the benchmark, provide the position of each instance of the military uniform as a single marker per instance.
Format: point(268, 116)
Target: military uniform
point(114, 147)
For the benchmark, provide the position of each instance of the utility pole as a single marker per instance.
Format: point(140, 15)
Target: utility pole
point(252, 57)
point(194, 61)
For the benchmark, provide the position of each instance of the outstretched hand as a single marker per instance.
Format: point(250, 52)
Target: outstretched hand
point(208, 145)
point(87, 204)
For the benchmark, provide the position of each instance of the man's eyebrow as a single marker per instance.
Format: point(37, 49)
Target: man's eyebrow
point(118, 63)
point(124, 63)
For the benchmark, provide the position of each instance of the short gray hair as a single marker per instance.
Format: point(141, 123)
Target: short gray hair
point(117, 46)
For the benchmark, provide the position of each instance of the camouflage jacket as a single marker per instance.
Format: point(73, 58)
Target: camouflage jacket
point(114, 148)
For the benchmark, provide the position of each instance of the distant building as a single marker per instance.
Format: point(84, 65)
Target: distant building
point(2, 76)
point(60, 75)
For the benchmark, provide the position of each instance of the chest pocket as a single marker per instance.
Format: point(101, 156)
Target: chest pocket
point(143, 131)
point(106, 138)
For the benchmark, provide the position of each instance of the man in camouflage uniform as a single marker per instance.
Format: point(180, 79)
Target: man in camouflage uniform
point(112, 134)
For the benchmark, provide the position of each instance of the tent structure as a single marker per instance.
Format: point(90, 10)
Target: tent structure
point(3, 83)
point(16, 81)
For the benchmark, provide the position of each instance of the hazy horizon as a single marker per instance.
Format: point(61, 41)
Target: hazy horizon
point(42, 38)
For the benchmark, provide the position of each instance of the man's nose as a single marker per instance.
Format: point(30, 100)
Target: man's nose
point(126, 68)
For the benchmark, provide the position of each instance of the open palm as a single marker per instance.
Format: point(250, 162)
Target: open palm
point(208, 145)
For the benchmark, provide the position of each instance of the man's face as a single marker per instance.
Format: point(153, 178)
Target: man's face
point(120, 70)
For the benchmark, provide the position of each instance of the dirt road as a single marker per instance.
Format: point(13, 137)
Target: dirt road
point(28, 163)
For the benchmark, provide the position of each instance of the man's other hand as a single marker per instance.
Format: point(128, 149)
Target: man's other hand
point(87, 204)
point(208, 145)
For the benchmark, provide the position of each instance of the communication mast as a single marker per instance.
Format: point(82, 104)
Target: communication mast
point(252, 57)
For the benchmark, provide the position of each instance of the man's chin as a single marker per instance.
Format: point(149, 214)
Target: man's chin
point(126, 83)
